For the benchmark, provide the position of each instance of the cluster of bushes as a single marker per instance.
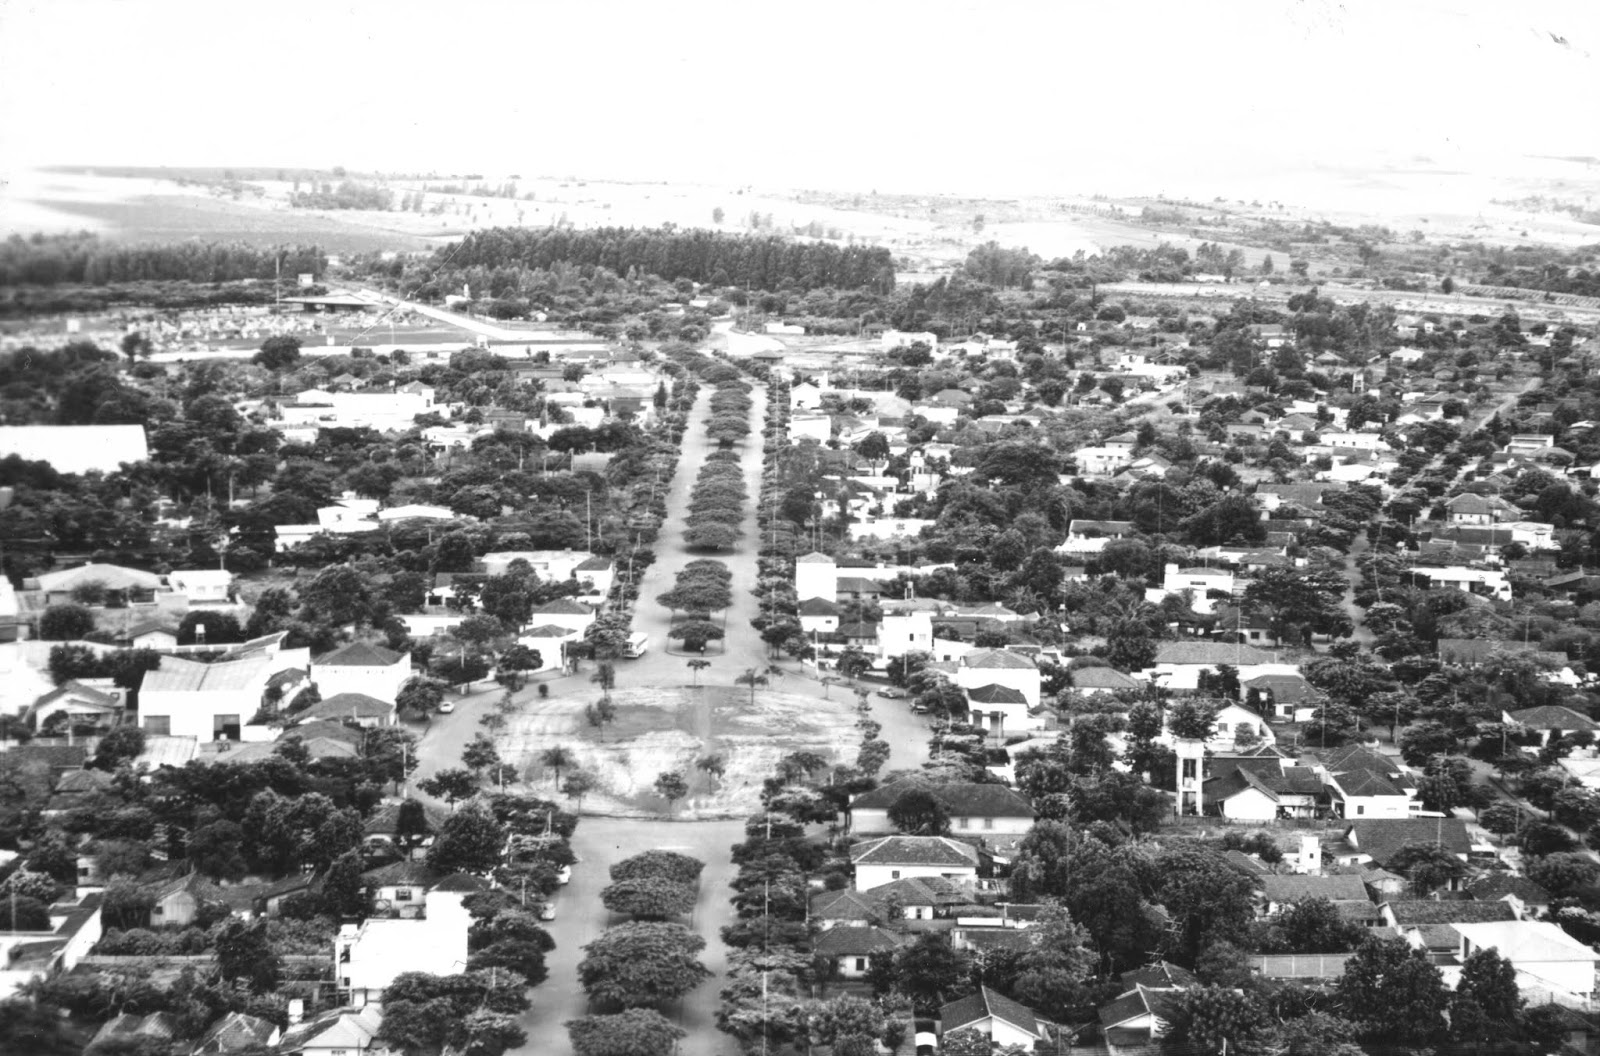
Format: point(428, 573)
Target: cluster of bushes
point(634, 968)
point(716, 506)
point(703, 586)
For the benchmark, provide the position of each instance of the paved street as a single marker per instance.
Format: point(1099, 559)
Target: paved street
point(598, 843)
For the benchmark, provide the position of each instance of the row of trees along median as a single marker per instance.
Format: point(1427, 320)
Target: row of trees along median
point(716, 506)
point(774, 974)
point(779, 520)
point(703, 587)
point(636, 967)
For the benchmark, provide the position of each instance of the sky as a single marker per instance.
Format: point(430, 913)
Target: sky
point(989, 98)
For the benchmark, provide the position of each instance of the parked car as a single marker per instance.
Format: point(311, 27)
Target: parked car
point(892, 693)
point(564, 875)
point(446, 707)
point(918, 708)
point(547, 911)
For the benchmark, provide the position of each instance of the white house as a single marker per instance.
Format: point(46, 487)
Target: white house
point(564, 612)
point(1179, 664)
point(1548, 961)
point(1354, 440)
point(818, 427)
point(1000, 667)
point(202, 586)
point(804, 397)
point(419, 512)
point(208, 702)
point(991, 809)
point(1200, 580)
point(362, 668)
point(340, 1032)
point(1489, 582)
point(550, 641)
point(890, 528)
point(1004, 1022)
point(893, 339)
point(901, 632)
point(368, 956)
point(816, 575)
point(1101, 461)
point(881, 861)
point(821, 616)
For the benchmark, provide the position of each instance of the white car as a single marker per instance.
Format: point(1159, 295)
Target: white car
point(564, 875)
point(446, 707)
point(547, 912)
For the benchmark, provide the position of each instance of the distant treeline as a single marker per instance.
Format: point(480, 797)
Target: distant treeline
point(345, 195)
point(764, 263)
point(88, 260)
point(21, 301)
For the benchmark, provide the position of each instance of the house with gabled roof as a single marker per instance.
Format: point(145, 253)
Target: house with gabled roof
point(236, 1032)
point(364, 668)
point(1263, 792)
point(999, 1019)
point(1469, 508)
point(972, 806)
point(1551, 719)
point(1365, 784)
point(80, 704)
point(1087, 681)
point(1527, 898)
point(1000, 667)
point(1179, 663)
point(1140, 1017)
point(338, 1032)
point(126, 1027)
point(880, 861)
point(1379, 840)
point(365, 711)
point(852, 949)
point(1550, 964)
point(1278, 891)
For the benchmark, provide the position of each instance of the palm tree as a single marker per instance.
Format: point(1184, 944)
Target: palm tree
point(557, 758)
point(752, 678)
point(697, 666)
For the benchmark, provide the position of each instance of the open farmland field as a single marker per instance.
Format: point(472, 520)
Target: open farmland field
point(174, 218)
point(661, 729)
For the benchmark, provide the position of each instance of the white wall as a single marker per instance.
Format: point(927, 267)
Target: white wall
point(871, 876)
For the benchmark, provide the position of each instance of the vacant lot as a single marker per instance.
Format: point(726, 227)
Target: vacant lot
point(668, 729)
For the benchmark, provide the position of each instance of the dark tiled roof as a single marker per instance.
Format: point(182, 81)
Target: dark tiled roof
point(848, 941)
point(1554, 717)
point(1004, 659)
point(1499, 885)
point(348, 705)
point(461, 882)
point(984, 1004)
point(233, 1032)
point(1381, 839)
point(1163, 975)
point(1293, 888)
point(385, 821)
point(996, 694)
point(1101, 678)
point(1427, 911)
point(968, 798)
point(842, 905)
point(359, 654)
point(400, 873)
